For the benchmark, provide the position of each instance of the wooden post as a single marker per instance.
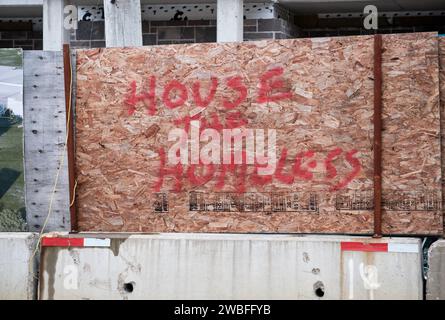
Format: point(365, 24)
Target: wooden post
point(70, 133)
point(123, 26)
point(377, 119)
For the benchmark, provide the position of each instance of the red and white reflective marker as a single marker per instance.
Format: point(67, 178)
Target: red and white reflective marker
point(74, 242)
point(380, 247)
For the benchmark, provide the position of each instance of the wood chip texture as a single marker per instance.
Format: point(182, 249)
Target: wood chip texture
point(317, 96)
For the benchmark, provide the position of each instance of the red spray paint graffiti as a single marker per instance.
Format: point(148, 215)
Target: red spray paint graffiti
point(240, 172)
point(271, 88)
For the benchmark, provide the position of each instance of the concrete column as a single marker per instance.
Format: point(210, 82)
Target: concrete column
point(229, 22)
point(123, 26)
point(54, 34)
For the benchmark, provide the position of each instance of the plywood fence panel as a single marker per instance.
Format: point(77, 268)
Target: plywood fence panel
point(316, 95)
point(45, 131)
point(411, 134)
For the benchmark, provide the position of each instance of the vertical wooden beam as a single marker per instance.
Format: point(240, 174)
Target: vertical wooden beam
point(70, 133)
point(54, 34)
point(229, 20)
point(123, 23)
point(377, 119)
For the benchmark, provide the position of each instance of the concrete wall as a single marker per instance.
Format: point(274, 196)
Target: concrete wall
point(435, 288)
point(27, 40)
point(92, 33)
point(315, 26)
point(217, 266)
point(18, 278)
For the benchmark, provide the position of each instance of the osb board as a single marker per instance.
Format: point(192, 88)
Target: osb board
point(411, 136)
point(327, 119)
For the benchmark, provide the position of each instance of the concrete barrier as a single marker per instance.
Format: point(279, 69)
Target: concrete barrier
point(18, 280)
point(229, 266)
point(435, 288)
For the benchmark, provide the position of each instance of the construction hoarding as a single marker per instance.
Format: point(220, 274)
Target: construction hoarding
point(267, 136)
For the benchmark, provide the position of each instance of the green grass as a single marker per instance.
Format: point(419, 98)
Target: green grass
point(12, 193)
point(11, 57)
